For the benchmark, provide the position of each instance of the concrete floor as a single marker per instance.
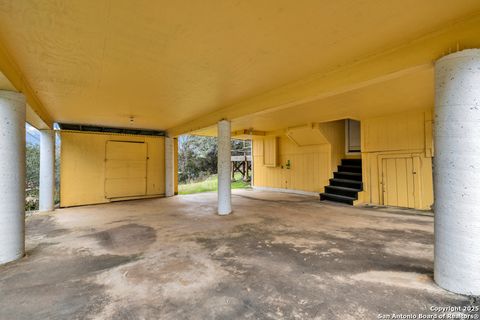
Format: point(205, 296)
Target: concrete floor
point(277, 257)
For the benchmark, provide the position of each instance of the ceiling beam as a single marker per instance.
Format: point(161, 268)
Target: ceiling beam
point(408, 58)
point(37, 115)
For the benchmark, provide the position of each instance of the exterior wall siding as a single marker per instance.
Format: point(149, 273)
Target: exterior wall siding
point(310, 166)
point(82, 167)
point(396, 136)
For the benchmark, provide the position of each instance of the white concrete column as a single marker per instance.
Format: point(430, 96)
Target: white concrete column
point(457, 172)
point(47, 170)
point(252, 173)
point(169, 167)
point(12, 176)
point(224, 159)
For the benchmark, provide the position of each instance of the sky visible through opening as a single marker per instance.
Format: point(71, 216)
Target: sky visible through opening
point(32, 135)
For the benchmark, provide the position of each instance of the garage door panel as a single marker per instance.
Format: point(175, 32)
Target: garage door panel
point(126, 150)
point(125, 169)
point(118, 188)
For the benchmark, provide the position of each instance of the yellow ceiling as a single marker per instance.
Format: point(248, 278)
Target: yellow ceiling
point(413, 91)
point(5, 83)
point(31, 116)
point(169, 62)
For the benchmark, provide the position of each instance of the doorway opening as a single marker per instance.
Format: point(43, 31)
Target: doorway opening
point(352, 137)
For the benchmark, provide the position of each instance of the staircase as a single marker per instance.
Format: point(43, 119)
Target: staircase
point(346, 182)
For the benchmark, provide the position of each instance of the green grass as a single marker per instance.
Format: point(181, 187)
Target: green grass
point(210, 184)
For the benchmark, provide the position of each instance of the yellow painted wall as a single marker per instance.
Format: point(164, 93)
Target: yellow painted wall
point(334, 132)
point(82, 167)
point(310, 166)
point(407, 134)
point(396, 136)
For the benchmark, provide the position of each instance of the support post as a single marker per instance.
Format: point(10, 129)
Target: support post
point(252, 164)
point(12, 176)
point(244, 175)
point(47, 170)
point(224, 159)
point(169, 167)
point(457, 172)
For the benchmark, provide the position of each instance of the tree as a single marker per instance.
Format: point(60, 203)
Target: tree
point(32, 176)
point(197, 156)
point(32, 166)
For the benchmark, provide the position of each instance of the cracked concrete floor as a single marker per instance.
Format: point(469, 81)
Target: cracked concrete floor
point(278, 256)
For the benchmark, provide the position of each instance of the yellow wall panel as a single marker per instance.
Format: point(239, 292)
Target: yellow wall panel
point(335, 133)
point(82, 174)
point(404, 131)
point(306, 135)
point(83, 169)
point(270, 151)
point(398, 136)
point(155, 165)
point(393, 137)
point(310, 166)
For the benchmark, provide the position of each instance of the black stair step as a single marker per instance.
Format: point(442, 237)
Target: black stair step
point(342, 191)
point(349, 168)
point(348, 175)
point(337, 198)
point(346, 183)
point(351, 162)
